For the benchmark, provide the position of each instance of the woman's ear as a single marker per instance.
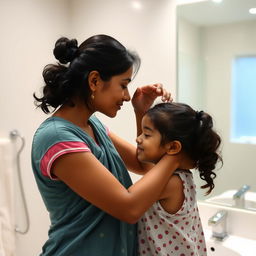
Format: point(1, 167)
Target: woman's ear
point(94, 80)
point(173, 147)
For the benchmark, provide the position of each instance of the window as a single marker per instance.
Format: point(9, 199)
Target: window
point(243, 119)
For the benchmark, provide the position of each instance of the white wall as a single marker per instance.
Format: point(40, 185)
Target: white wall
point(29, 29)
point(190, 64)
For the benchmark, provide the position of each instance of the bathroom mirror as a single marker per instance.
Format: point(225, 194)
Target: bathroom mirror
point(211, 38)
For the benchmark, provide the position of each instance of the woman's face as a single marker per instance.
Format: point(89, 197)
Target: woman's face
point(149, 148)
point(110, 96)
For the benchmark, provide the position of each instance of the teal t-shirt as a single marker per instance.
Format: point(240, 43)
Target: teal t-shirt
point(78, 228)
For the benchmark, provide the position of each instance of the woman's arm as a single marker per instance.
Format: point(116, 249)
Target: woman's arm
point(85, 175)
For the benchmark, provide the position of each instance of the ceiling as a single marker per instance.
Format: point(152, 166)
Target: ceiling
point(208, 13)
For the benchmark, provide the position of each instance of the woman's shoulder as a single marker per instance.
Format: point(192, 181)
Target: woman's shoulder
point(54, 130)
point(54, 126)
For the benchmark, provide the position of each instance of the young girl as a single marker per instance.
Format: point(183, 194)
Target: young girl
point(172, 226)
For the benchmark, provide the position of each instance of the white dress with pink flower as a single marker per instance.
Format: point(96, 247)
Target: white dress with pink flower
point(181, 234)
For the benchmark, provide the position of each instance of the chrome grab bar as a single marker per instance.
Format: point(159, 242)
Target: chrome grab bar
point(15, 134)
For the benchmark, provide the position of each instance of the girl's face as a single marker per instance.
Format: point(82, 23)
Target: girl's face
point(149, 148)
point(110, 95)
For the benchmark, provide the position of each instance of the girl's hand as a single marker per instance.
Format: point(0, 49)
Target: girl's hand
point(144, 97)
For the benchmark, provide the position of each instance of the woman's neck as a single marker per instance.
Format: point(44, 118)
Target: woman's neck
point(78, 114)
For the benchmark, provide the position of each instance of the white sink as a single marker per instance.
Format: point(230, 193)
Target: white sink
point(241, 229)
point(230, 246)
point(218, 249)
point(226, 199)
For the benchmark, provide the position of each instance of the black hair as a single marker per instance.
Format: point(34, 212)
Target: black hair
point(194, 130)
point(69, 77)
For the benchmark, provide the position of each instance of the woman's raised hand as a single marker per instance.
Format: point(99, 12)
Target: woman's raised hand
point(144, 97)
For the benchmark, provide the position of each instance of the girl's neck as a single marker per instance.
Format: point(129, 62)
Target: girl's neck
point(187, 162)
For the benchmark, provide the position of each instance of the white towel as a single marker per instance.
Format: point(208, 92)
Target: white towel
point(7, 227)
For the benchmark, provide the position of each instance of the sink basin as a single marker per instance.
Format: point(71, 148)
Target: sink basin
point(230, 246)
point(217, 249)
point(226, 199)
point(241, 239)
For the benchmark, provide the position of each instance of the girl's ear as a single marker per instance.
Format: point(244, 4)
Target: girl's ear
point(173, 147)
point(94, 80)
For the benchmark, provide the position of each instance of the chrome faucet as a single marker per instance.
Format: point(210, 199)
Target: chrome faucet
point(219, 225)
point(238, 197)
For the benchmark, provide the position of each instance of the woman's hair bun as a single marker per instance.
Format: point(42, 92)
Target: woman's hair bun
point(65, 50)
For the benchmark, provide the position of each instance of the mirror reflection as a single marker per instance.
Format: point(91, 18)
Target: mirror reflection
point(216, 54)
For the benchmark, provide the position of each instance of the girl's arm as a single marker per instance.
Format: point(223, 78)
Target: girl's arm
point(85, 175)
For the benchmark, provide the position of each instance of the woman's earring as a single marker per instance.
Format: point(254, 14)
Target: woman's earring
point(92, 96)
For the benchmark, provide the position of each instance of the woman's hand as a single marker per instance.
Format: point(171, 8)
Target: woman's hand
point(144, 97)
point(174, 161)
point(180, 159)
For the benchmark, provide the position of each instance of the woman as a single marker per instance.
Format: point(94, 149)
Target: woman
point(79, 165)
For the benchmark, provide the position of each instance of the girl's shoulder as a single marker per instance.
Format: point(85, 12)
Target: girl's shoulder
point(178, 188)
point(172, 196)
